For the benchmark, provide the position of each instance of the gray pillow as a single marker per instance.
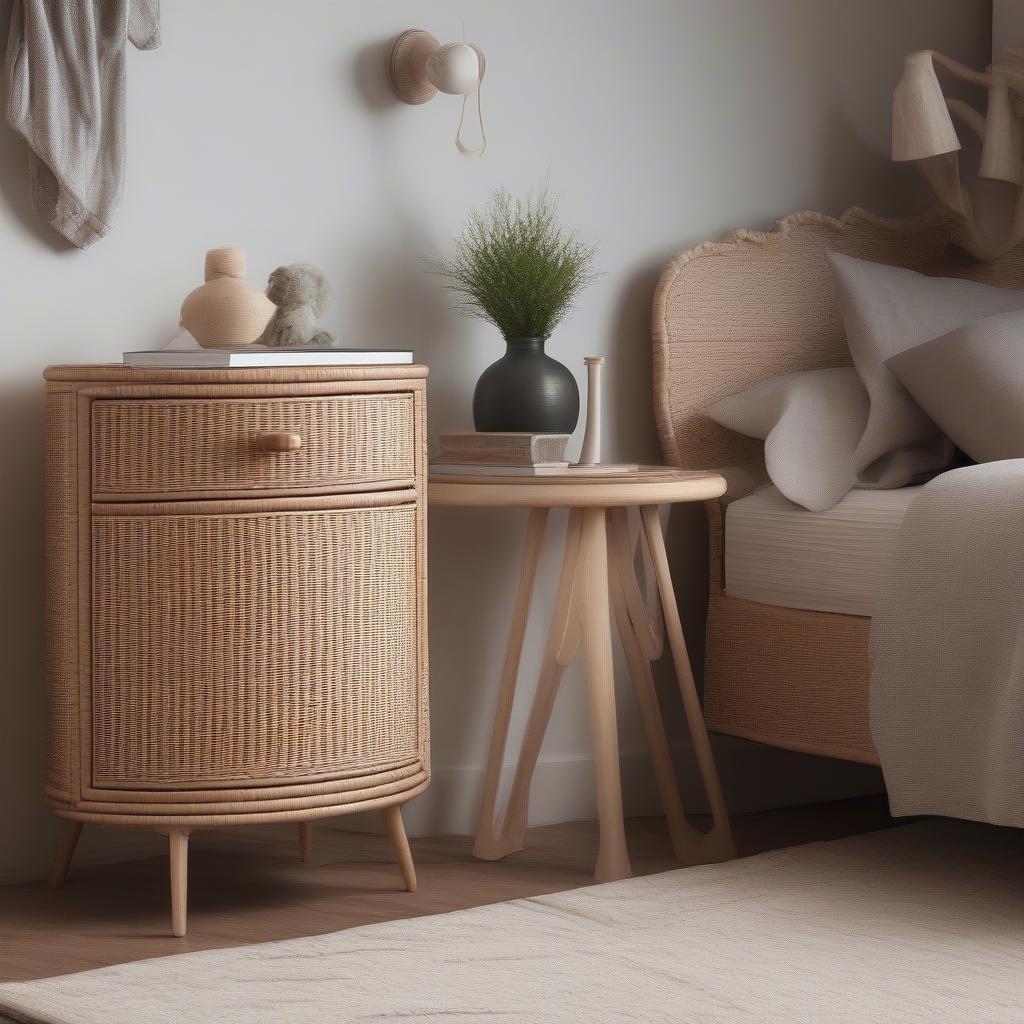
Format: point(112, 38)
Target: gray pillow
point(810, 423)
point(887, 310)
point(971, 383)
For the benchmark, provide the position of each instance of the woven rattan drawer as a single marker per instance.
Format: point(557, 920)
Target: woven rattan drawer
point(260, 648)
point(166, 448)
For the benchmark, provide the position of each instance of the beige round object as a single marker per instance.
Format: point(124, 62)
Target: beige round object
point(409, 66)
point(225, 312)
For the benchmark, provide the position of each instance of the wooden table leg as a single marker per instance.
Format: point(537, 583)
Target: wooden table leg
point(487, 845)
point(492, 843)
point(716, 845)
point(591, 597)
point(65, 851)
point(642, 643)
point(305, 841)
point(400, 844)
point(177, 839)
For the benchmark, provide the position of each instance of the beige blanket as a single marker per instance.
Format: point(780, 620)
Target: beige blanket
point(947, 639)
point(915, 925)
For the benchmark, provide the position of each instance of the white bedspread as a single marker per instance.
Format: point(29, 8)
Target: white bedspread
point(947, 640)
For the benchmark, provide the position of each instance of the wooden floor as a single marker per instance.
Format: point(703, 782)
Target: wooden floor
point(247, 885)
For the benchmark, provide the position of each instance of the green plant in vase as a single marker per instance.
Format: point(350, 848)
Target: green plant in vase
point(517, 267)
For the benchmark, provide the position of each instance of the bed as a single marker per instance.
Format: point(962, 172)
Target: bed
point(785, 665)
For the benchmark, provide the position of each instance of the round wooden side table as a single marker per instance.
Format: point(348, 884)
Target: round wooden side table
point(598, 562)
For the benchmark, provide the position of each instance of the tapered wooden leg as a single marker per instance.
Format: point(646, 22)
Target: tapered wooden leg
point(177, 839)
point(487, 845)
point(592, 604)
point(305, 841)
point(558, 652)
point(642, 644)
point(400, 845)
point(65, 851)
point(716, 845)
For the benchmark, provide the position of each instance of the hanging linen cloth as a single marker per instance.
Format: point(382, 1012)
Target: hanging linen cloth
point(66, 96)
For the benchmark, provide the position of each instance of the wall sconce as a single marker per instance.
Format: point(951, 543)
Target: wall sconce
point(923, 132)
point(421, 67)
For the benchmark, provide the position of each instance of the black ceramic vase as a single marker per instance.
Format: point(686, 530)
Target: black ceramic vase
point(526, 390)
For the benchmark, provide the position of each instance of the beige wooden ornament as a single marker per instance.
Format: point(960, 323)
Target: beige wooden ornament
point(225, 312)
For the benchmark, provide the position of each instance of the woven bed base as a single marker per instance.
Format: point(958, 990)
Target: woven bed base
point(789, 678)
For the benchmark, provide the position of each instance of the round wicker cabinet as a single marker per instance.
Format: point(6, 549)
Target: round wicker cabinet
point(236, 607)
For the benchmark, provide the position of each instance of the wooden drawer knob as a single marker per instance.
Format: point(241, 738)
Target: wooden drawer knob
point(278, 441)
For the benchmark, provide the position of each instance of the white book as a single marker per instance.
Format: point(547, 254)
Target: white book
point(551, 469)
point(260, 355)
point(475, 469)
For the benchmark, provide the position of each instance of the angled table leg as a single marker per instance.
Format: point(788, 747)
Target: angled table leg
point(65, 851)
point(400, 844)
point(487, 846)
point(305, 841)
point(716, 845)
point(642, 644)
point(493, 843)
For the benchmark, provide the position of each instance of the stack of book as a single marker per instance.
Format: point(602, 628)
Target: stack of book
point(468, 452)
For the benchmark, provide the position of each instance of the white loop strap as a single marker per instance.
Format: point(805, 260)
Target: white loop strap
point(473, 154)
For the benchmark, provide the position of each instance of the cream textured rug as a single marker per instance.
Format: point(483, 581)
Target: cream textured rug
point(917, 924)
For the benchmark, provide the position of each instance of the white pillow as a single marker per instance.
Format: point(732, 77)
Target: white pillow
point(971, 382)
point(887, 310)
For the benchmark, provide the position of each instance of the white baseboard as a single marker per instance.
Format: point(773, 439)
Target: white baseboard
point(754, 777)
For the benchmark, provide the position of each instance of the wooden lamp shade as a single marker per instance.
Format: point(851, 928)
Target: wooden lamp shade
point(921, 123)
point(1001, 138)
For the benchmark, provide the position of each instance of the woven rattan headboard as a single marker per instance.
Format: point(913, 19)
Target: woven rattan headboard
point(728, 314)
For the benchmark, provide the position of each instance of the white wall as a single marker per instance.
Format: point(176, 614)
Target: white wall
point(658, 122)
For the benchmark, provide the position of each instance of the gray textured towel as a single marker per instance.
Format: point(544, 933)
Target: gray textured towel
point(66, 75)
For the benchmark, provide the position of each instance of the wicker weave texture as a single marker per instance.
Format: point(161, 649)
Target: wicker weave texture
point(729, 314)
point(253, 646)
point(165, 447)
point(61, 595)
point(789, 678)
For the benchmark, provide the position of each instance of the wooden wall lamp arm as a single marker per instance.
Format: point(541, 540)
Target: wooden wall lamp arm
point(958, 70)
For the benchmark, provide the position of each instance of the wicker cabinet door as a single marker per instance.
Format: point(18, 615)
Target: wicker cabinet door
point(261, 648)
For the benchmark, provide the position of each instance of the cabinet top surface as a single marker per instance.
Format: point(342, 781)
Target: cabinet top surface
point(117, 373)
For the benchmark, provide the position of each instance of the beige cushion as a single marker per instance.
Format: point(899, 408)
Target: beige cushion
point(888, 310)
point(971, 383)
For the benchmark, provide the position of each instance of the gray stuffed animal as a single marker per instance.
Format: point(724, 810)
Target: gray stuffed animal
point(300, 293)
